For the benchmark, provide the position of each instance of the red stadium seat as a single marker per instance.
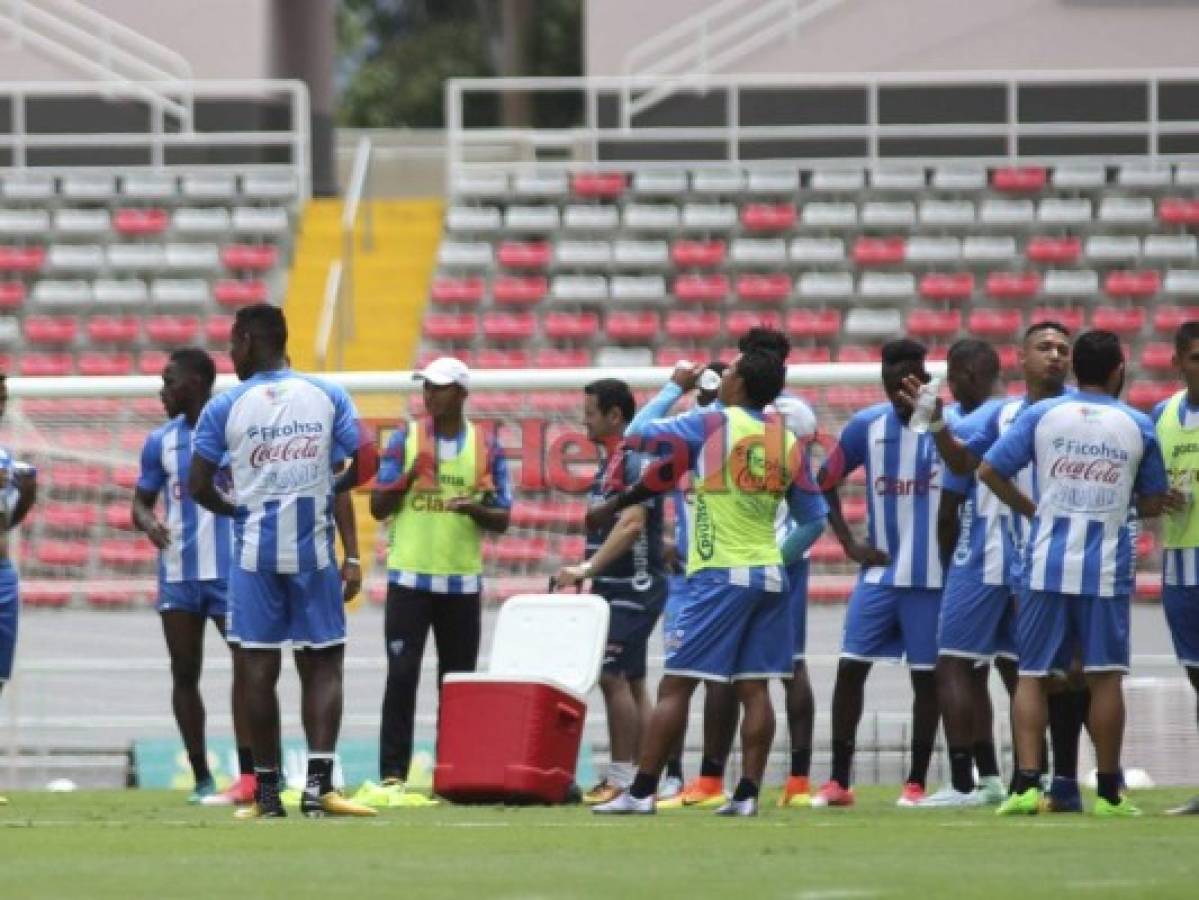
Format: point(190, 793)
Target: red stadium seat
point(130, 553)
point(934, 323)
point(447, 290)
point(668, 356)
point(105, 364)
point(740, 321)
point(172, 329)
point(496, 403)
point(1009, 358)
point(562, 358)
point(766, 288)
point(856, 353)
point(509, 326)
point(1013, 285)
point(606, 185)
point(554, 401)
point(572, 547)
point(1054, 249)
point(67, 516)
point(701, 288)
point(250, 257)
point(1146, 394)
point(51, 329)
point(22, 259)
point(1124, 321)
point(12, 294)
point(827, 550)
point(1157, 357)
point(696, 326)
point(126, 476)
point(1146, 545)
point(80, 476)
point(61, 553)
point(113, 329)
point(571, 326)
point(106, 597)
point(1173, 210)
point(234, 293)
point(815, 323)
point(218, 329)
point(852, 397)
point(524, 254)
point(1019, 180)
point(152, 362)
point(853, 509)
point(941, 286)
point(512, 290)
point(493, 358)
point(1166, 319)
point(445, 327)
point(516, 551)
point(1133, 284)
point(879, 251)
point(46, 595)
point(768, 216)
point(994, 322)
point(698, 254)
point(810, 355)
point(632, 326)
point(140, 221)
point(1070, 316)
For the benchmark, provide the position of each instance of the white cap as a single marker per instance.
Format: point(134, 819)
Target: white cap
point(444, 370)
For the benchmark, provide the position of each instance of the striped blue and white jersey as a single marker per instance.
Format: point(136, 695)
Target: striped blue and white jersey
point(201, 542)
point(1180, 565)
point(1092, 455)
point(903, 493)
point(283, 433)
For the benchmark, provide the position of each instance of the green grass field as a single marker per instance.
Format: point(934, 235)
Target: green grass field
point(150, 844)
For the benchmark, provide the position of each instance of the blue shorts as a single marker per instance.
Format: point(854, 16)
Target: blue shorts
point(797, 578)
point(1182, 615)
point(10, 611)
point(631, 620)
point(978, 621)
point(887, 624)
point(676, 597)
point(268, 610)
point(1051, 628)
point(202, 598)
point(730, 631)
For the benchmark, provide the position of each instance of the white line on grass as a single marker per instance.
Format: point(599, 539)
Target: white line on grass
point(837, 893)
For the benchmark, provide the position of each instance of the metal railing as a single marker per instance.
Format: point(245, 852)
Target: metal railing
point(74, 34)
point(336, 323)
point(687, 53)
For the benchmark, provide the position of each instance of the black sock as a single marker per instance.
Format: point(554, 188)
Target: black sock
point(1109, 786)
point(320, 773)
point(711, 768)
point(922, 754)
point(644, 786)
point(985, 758)
point(1065, 729)
point(674, 768)
point(801, 762)
point(1025, 779)
point(199, 764)
point(746, 790)
point(960, 769)
point(267, 791)
point(842, 761)
point(245, 761)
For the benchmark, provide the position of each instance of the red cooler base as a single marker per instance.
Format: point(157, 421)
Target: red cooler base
point(507, 742)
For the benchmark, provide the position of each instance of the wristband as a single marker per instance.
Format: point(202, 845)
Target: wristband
point(587, 570)
point(352, 560)
point(936, 426)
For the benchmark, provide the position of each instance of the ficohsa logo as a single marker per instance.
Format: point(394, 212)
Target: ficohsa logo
point(288, 429)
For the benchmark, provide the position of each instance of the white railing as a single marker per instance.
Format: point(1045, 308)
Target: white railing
point(74, 34)
point(337, 310)
point(158, 141)
point(687, 53)
point(599, 134)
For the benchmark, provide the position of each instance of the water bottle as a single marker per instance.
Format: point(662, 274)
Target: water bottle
point(926, 406)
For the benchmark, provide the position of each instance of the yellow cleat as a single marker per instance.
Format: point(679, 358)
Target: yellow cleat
point(256, 811)
point(332, 804)
point(703, 792)
point(391, 794)
point(3, 801)
point(601, 793)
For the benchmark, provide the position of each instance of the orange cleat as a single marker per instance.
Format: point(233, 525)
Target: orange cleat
point(796, 792)
point(833, 794)
point(704, 792)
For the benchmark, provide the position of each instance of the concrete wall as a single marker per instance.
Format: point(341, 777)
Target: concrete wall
point(932, 35)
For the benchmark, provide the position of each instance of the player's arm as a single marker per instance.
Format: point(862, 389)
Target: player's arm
point(1152, 485)
point(683, 379)
point(859, 551)
point(1006, 490)
point(144, 519)
point(957, 455)
point(847, 455)
point(26, 485)
point(620, 541)
point(1012, 452)
point(209, 449)
point(949, 522)
point(809, 511)
point(201, 484)
point(391, 483)
point(493, 512)
point(347, 530)
point(673, 442)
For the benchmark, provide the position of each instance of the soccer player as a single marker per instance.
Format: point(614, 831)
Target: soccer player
point(626, 568)
point(894, 606)
point(18, 493)
point(443, 484)
point(284, 434)
point(1177, 425)
point(736, 623)
point(1094, 456)
point(193, 565)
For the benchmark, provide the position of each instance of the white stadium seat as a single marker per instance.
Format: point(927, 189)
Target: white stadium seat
point(582, 253)
point(817, 250)
point(887, 213)
point(1070, 283)
point(771, 251)
point(149, 185)
point(623, 357)
point(82, 221)
point(959, 178)
point(718, 181)
point(75, 257)
point(481, 184)
point(579, 288)
point(824, 285)
point(1128, 210)
point(1171, 246)
point(24, 221)
point(1078, 175)
point(146, 257)
point(983, 249)
point(886, 285)
point(193, 257)
point(260, 220)
point(898, 178)
point(659, 183)
point(829, 215)
point(172, 292)
point(933, 249)
point(704, 216)
point(539, 184)
point(1182, 282)
point(268, 185)
point(201, 220)
point(773, 181)
point(591, 218)
point(531, 218)
point(473, 218)
point(120, 292)
point(465, 254)
point(1187, 174)
point(209, 186)
point(10, 330)
point(1112, 248)
point(1002, 211)
point(947, 212)
point(651, 217)
point(1143, 175)
point(51, 292)
point(642, 288)
point(642, 254)
point(837, 180)
point(28, 186)
point(873, 323)
point(89, 186)
point(1064, 211)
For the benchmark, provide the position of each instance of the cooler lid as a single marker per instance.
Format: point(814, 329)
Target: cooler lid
point(560, 637)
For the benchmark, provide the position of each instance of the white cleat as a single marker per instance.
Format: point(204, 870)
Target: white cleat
point(746, 807)
point(991, 791)
point(948, 798)
point(626, 804)
point(671, 788)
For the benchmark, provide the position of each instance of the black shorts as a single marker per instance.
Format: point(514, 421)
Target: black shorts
point(633, 615)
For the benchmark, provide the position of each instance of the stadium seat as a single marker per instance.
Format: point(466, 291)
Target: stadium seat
point(959, 178)
point(10, 330)
point(1112, 247)
point(718, 181)
point(928, 323)
point(1181, 282)
point(22, 259)
point(579, 288)
point(105, 364)
point(113, 329)
point(539, 184)
point(465, 254)
point(1065, 211)
point(256, 220)
point(886, 286)
point(79, 222)
point(1167, 318)
point(179, 292)
point(1126, 210)
point(140, 222)
point(994, 322)
point(561, 358)
point(810, 355)
point(12, 294)
point(878, 251)
point(1054, 249)
point(906, 179)
point(888, 214)
point(1183, 247)
point(697, 326)
point(657, 217)
point(232, 293)
point(922, 249)
point(740, 321)
point(1071, 317)
point(772, 181)
point(513, 290)
point(701, 288)
point(218, 329)
point(590, 218)
point(940, 286)
point(946, 213)
point(638, 288)
point(985, 249)
point(709, 216)
point(250, 257)
point(1133, 284)
point(213, 220)
point(69, 554)
point(524, 254)
point(117, 516)
point(660, 182)
point(1179, 211)
point(768, 216)
point(209, 186)
point(814, 323)
point(1186, 174)
point(874, 324)
point(173, 330)
point(1146, 394)
point(640, 254)
point(51, 329)
point(75, 257)
point(449, 327)
point(698, 254)
point(810, 251)
point(599, 185)
point(837, 180)
point(1081, 175)
point(39, 364)
point(497, 358)
point(457, 291)
point(1019, 179)
point(127, 553)
point(152, 362)
point(825, 286)
point(759, 251)
point(1156, 357)
point(1144, 174)
point(62, 516)
point(28, 185)
point(582, 253)
point(148, 186)
point(764, 288)
point(570, 326)
point(1004, 211)
point(509, 326)
point(829, 215)
point(135, 257)
point(1070, 283)
point(632, 326)
point(193, 257)
point(1013, 285)
point(96, 185)
point(55, 293)
point(1125, 321)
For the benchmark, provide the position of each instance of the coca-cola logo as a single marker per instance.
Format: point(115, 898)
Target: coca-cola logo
point(302, 447)
point(1099, 471)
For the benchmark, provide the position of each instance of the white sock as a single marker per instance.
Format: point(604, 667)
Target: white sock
point(620, 774)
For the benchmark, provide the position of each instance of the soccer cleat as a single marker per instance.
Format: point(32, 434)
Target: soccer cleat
point(603, 792)
point(671, 788)
point(704, 792)
point(911, 795)
point(240, 793)
point(990, 791)
point(391, 794)
point(1105, 809)
point(746, 807)
point(261, 810)
point(3, 801)
point(797, 792)
point(625, 804)
point(202, 790)
point(331, 803)
point(948, 798)
point(833, 794)
point(1026, 804)
point(290, 798)
point(1063, 796)
point(1190, 808)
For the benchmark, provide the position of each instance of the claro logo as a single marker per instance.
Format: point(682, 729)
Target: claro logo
point(885, 486)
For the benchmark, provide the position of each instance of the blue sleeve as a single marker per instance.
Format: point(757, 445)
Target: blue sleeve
point(656, 408)
point(800, 539)
point(979, 430)
point(208, 440)
point(680, 521)
point(959, 484)
point(1151, 477)
point(688, 429)
point(502, 497)
point(805, 506)
point(851, 447)
point(391, 464)
point(1014, 449)
point(1158, 409)
point(152, 476)
point(347, 435)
